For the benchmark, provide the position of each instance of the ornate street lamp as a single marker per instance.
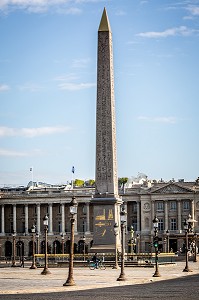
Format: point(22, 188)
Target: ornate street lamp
point(132, 239)
point(62, 242)
point(73, 211)
point(155, 243)
point(167, 239)
point(13, 249)
point(116, 231)
point(123, 217)
point(84, 245)
point(33, 230)
point(138, 243)
point(46, 270)
point(195, 246)
point(37, 239)
point(187, 228)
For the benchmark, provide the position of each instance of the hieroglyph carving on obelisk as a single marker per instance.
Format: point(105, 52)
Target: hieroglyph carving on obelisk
point(106, 178)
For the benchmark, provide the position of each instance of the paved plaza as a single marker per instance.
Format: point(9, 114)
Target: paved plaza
point(20, 281)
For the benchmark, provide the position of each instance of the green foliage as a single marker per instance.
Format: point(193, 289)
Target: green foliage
point(78, 182)
point(91, 182)
point(122, 180)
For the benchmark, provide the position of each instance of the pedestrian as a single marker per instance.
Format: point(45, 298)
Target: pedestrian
point(95, 260)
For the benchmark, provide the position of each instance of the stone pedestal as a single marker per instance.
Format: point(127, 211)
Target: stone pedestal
point(106, 212)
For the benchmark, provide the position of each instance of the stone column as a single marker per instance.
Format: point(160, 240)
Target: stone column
point(75, 229)
point(50, 227)
point(192, 210)
point(26, 218)
point(38, 219)
point(138, 215)
point(63, 217)
point(2, 220)
point(14, 217)
point(166, 220)
point(152, 215)
point(179, 217)
point(87, 218)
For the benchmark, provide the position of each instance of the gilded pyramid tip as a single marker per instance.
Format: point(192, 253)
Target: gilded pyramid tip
point(104, 24)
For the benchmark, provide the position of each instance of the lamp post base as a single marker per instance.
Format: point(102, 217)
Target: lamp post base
point(45, 271)
point(186, 269)
point(156, 274)
point(69, 282)
point(14, 265)
point(33, 267)
point(115, 267)
point(121, 278)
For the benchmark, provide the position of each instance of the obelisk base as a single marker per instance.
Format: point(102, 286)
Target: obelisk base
point(106, 212)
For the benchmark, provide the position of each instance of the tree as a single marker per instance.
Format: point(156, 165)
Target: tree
point(78, 182)
point(122, 181)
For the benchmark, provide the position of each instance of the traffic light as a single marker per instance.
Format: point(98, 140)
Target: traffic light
point(155, 241)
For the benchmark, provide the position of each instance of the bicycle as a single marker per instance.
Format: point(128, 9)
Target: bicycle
point(93, 265)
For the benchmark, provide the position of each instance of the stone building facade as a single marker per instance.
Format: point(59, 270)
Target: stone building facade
point(171, 202)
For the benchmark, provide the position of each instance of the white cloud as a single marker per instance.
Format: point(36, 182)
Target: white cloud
point(181, 31)
point(75, 86)
point(4, 87)
point(69, 82)
point(31, 87)
point(169, 120)
point(40, 6)
point(6, 152)
point(15, 153)
point(80, 63)
point(194, 10)
point(32, 132)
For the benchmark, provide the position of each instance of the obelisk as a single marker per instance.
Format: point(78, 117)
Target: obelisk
point(106, 202)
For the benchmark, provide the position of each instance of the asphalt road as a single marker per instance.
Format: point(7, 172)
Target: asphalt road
point(180, 288)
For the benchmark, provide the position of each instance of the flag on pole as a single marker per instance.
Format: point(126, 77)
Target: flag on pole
point(73, 169)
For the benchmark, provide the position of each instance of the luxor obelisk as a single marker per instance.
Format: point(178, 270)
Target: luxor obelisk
point(106, 202)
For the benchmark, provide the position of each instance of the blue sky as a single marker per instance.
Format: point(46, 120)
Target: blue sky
point(48, 88)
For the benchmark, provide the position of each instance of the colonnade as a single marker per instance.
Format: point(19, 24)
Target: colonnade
point(38, 218)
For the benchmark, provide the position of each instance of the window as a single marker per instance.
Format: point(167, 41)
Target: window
point(186, 205)
point(84, 209)
point(59, 227)
point(161, 224)
point(173, 205)
point(160, 206)
point(134, 207)
point(134, 223)
point(173, 224)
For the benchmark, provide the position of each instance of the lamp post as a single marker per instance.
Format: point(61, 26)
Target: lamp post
point(132, 239)
point(155, 243)
point(62, 242)
point(13, 249)
point(195, 247)
point(73, 211)
point(46, 270)
point(84, 245)
point(138, 243)
point(37, 239)
point(167, 238)
point(33, 230)
point(186, 228)
point(123, 215)
point(116, 229)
